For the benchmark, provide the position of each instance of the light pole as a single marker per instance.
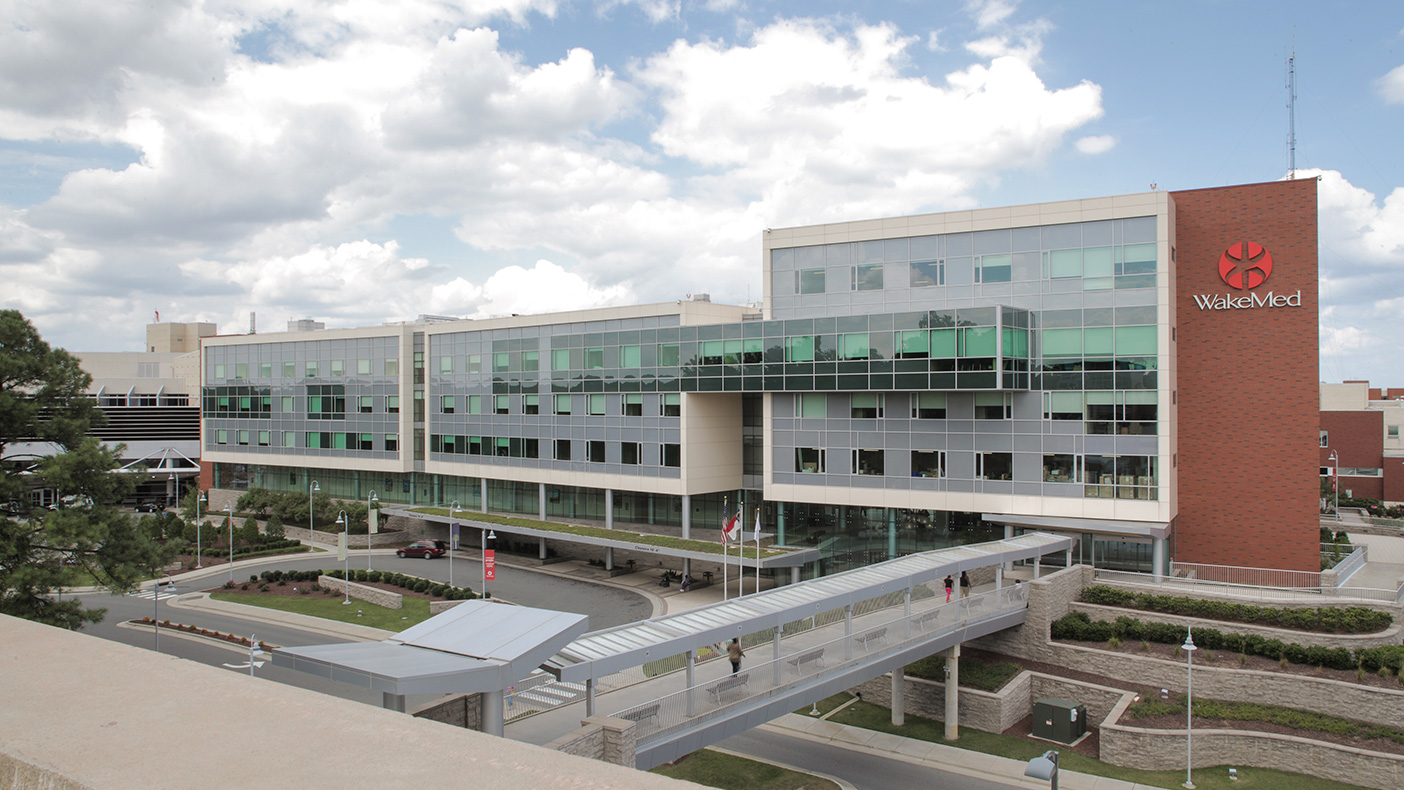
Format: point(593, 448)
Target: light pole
point(453, 537)
point(346, 552)
point(372, 517)
point(1045, 767)
point(312, 514)
point(230, 508)
point(487, 534)
point(156, 608)
point(1189, 649)
point(1336, 483)
point(199, 497)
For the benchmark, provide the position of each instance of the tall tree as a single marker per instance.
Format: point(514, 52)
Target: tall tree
point(45, 416)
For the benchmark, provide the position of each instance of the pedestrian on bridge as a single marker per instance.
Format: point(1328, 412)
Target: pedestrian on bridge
point(949, 584)
point(734, 652)
point(964, 584)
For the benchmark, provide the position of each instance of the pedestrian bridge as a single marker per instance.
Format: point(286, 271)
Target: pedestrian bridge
point(803, 642)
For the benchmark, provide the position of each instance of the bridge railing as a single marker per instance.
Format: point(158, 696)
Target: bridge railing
point(882, 632)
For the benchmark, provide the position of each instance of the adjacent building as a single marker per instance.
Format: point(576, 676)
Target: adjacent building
point(1139, 371)
point(1360, 443)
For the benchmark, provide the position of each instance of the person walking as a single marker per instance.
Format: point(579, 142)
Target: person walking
point(949, 583)
point(734, 652)
point(964, 584)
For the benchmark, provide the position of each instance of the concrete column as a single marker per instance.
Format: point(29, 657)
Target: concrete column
point(609, 559)
point(1067, 558)
point(779, 633)
point(1036, 559)
point(691, 657)
point(899, 696)
point(541, 505)
point(1008, 533)
point(395, 702)
point(609, 508)
point(589, 696)
point(797, 574)
point(492, 712)
point(780, 523)
point(999, 577)
point(953, 693)
point(1158, 558)
point(687, 529)
point(906, 616)
point(541, 547)
point(848, 632)
point(482, 493)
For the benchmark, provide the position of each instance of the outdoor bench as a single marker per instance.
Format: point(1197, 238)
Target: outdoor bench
point(872, 636)
point(733, 682)
point(800, 660)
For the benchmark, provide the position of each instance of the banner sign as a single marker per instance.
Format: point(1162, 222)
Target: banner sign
point(490, 563)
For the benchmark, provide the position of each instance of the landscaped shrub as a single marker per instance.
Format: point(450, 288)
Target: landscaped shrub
point(1351, 620)
point(373, 576)
point(1079, 627)
point(421, 585)
point(438, 590)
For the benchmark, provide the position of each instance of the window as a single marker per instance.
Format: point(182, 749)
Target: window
point(993, 405)
point(501, 362)
point(928, 463)
point(310, 370)
point(594, 358)
point(446, 364)
point(1064, 263)
point(630, 453)
point(562, 451)
point(560, 359)
point(241, 370)
point(531, 404)
point(866, 405)
point(1392, 431)
point(809, 460)
point(993, 268)
point(418, 407)
point(286, 402)
point(363, 367)
point(392, 367)
point(476, 444)
point(670, 405)
point(392, 404)
point(367, 404)
point(1058, 468)
point(289, 370)
point(265, 370)
point(924, 274)
point(712, 351)
point(338, 367)
point(1126, 413)
point(868, 462)
point(219, 371)
point(595, 403)
point(929, 406)
point(855, 346)
point(1119, 477)
point(263, 438)
point(447, 404)
point(809, 281)
point(501, 404)
point(811, 405)
point(475, 363)
point(595, 452)
point(668, 355)
point(289, 438)
point(1062, 406)
point(994, 466)
point(629, 356)
point(221, 436)
point(633, 405)
point(1325, 440)
point(867, 277)
point(562, 404)
point(502, 447)
point(799, 348)
point(531, 360)
point(365, 441)
point(671, 455)
point(913, 344)
point(475, 404)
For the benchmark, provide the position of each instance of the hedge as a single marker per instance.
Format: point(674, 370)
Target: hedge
point(400, 580)
point(1328, 619)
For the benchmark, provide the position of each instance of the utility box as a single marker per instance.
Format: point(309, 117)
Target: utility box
point(1059, 720)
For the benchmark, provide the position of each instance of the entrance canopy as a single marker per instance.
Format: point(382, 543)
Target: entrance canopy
point(474, 647)
point(1145, 529)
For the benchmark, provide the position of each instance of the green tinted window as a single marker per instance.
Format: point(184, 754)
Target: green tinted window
point(1097, 341)
point(1135, 340)
point(1062, 342)
point(943, 343)
point(799, 349)
point(978, 341)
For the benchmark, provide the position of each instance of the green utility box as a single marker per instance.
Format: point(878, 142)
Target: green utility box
point(1059, 720)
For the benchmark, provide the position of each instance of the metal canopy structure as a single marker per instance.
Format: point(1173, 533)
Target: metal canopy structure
point(1149, 529)
point(477, 646)
point(605, 652)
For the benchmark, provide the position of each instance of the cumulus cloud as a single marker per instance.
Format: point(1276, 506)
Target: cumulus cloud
point(1096, 144)
point(1391, 85)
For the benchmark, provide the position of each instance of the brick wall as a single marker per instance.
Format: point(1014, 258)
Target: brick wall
point(1358, 439)
point(1247, 382)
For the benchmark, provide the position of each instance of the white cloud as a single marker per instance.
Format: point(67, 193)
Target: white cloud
point(990, 13)
point(1391, 86)
point(1096, 144)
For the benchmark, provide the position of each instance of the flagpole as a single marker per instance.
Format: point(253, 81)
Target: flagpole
point(726, 554)
point(758, 551)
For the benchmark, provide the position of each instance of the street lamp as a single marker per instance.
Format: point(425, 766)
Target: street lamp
point(312, 514)
point(453, 537)
point(156, 608)
point(371, 518)
point(346, 552)
point(1045, 767)
point(487, 534)
point(1189, 649)
point(230, 508)
point(199, 497)
point(1336, 482)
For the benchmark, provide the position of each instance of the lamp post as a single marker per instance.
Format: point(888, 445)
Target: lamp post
point(199, 497)
point(346, 552)
point(1189, 649)
point(312, 514)
point(1336, 483)
point(371, 517)
point(156, 608)
point(230, 508)
point(1045, 767)
point(487, 534)
point(453, 537)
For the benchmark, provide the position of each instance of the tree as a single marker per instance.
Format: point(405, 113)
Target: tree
point(43, 401)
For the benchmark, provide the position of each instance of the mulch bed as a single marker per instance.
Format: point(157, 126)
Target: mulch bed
point(287, 589)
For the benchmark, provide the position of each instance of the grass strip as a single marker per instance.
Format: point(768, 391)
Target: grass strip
point(1308, 721)
point(873, 717)
point(729, 772)
point(318, 604)
point(700, 546)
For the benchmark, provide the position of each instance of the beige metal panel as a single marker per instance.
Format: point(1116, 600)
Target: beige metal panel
point(1351, 396)
point(711, 441)
point(1103, 509)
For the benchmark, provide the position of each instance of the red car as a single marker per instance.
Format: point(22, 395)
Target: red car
point(428, 549)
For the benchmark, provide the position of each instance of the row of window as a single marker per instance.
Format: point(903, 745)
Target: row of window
point(1121, 477)
point(630, 404)
point(308, 369)
point(595, 451)
point(923, 405)
point(321, 440)
point(325, 406)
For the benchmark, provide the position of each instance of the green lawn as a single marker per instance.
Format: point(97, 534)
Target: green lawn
point(714, 769)
point(331, 608)
point(873, 717)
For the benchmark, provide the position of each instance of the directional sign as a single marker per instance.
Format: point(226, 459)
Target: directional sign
point(490, 563)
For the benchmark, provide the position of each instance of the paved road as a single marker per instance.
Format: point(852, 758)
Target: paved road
point(864, 771)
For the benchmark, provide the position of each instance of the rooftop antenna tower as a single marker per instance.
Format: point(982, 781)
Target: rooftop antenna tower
point(1292, 115)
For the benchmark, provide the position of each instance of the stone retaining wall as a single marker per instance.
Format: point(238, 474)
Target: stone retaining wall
point(364, 592)
point(603, 738)
point(1216, 594)
point(459, 710)
point(439, 607)
point(1389, 636)
point(927, 698)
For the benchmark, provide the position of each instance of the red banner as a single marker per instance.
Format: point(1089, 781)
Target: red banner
point(490, 563)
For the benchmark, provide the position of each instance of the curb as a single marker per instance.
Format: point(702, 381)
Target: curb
point(257, 614)
point(843, 784)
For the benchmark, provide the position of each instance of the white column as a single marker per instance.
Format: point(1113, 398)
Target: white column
point(482, 488)
point(779, 633)
point(848, 632)
point(541, 547)
point(899, 696)
point(691, 681)
point(1008, 533)
point(953, 693)
point(1158, 558)
point(687, 529)
point(609, 508)
point(999, 576)
point(541, 496)
point(589, 697)
point(906, 616)
point(1036, 559)
point(492, 712)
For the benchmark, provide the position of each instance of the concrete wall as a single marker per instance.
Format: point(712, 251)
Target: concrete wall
point(364, 592)
point(459, 710)
point(602, 738)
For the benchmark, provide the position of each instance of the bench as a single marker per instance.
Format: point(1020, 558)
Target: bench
point(800, 660)
point(639, 714)
point(733, 682)
point(870, 637)
point(921, 621)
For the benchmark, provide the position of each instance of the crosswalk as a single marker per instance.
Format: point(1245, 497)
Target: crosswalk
point(151, 595)
point(544, 696)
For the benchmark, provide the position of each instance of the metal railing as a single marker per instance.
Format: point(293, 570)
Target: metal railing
point(1249, 591)
point(1347, 567)
point(1243, 576)
point(814, 653)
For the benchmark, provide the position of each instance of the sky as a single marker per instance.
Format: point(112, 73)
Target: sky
point(358, 161)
